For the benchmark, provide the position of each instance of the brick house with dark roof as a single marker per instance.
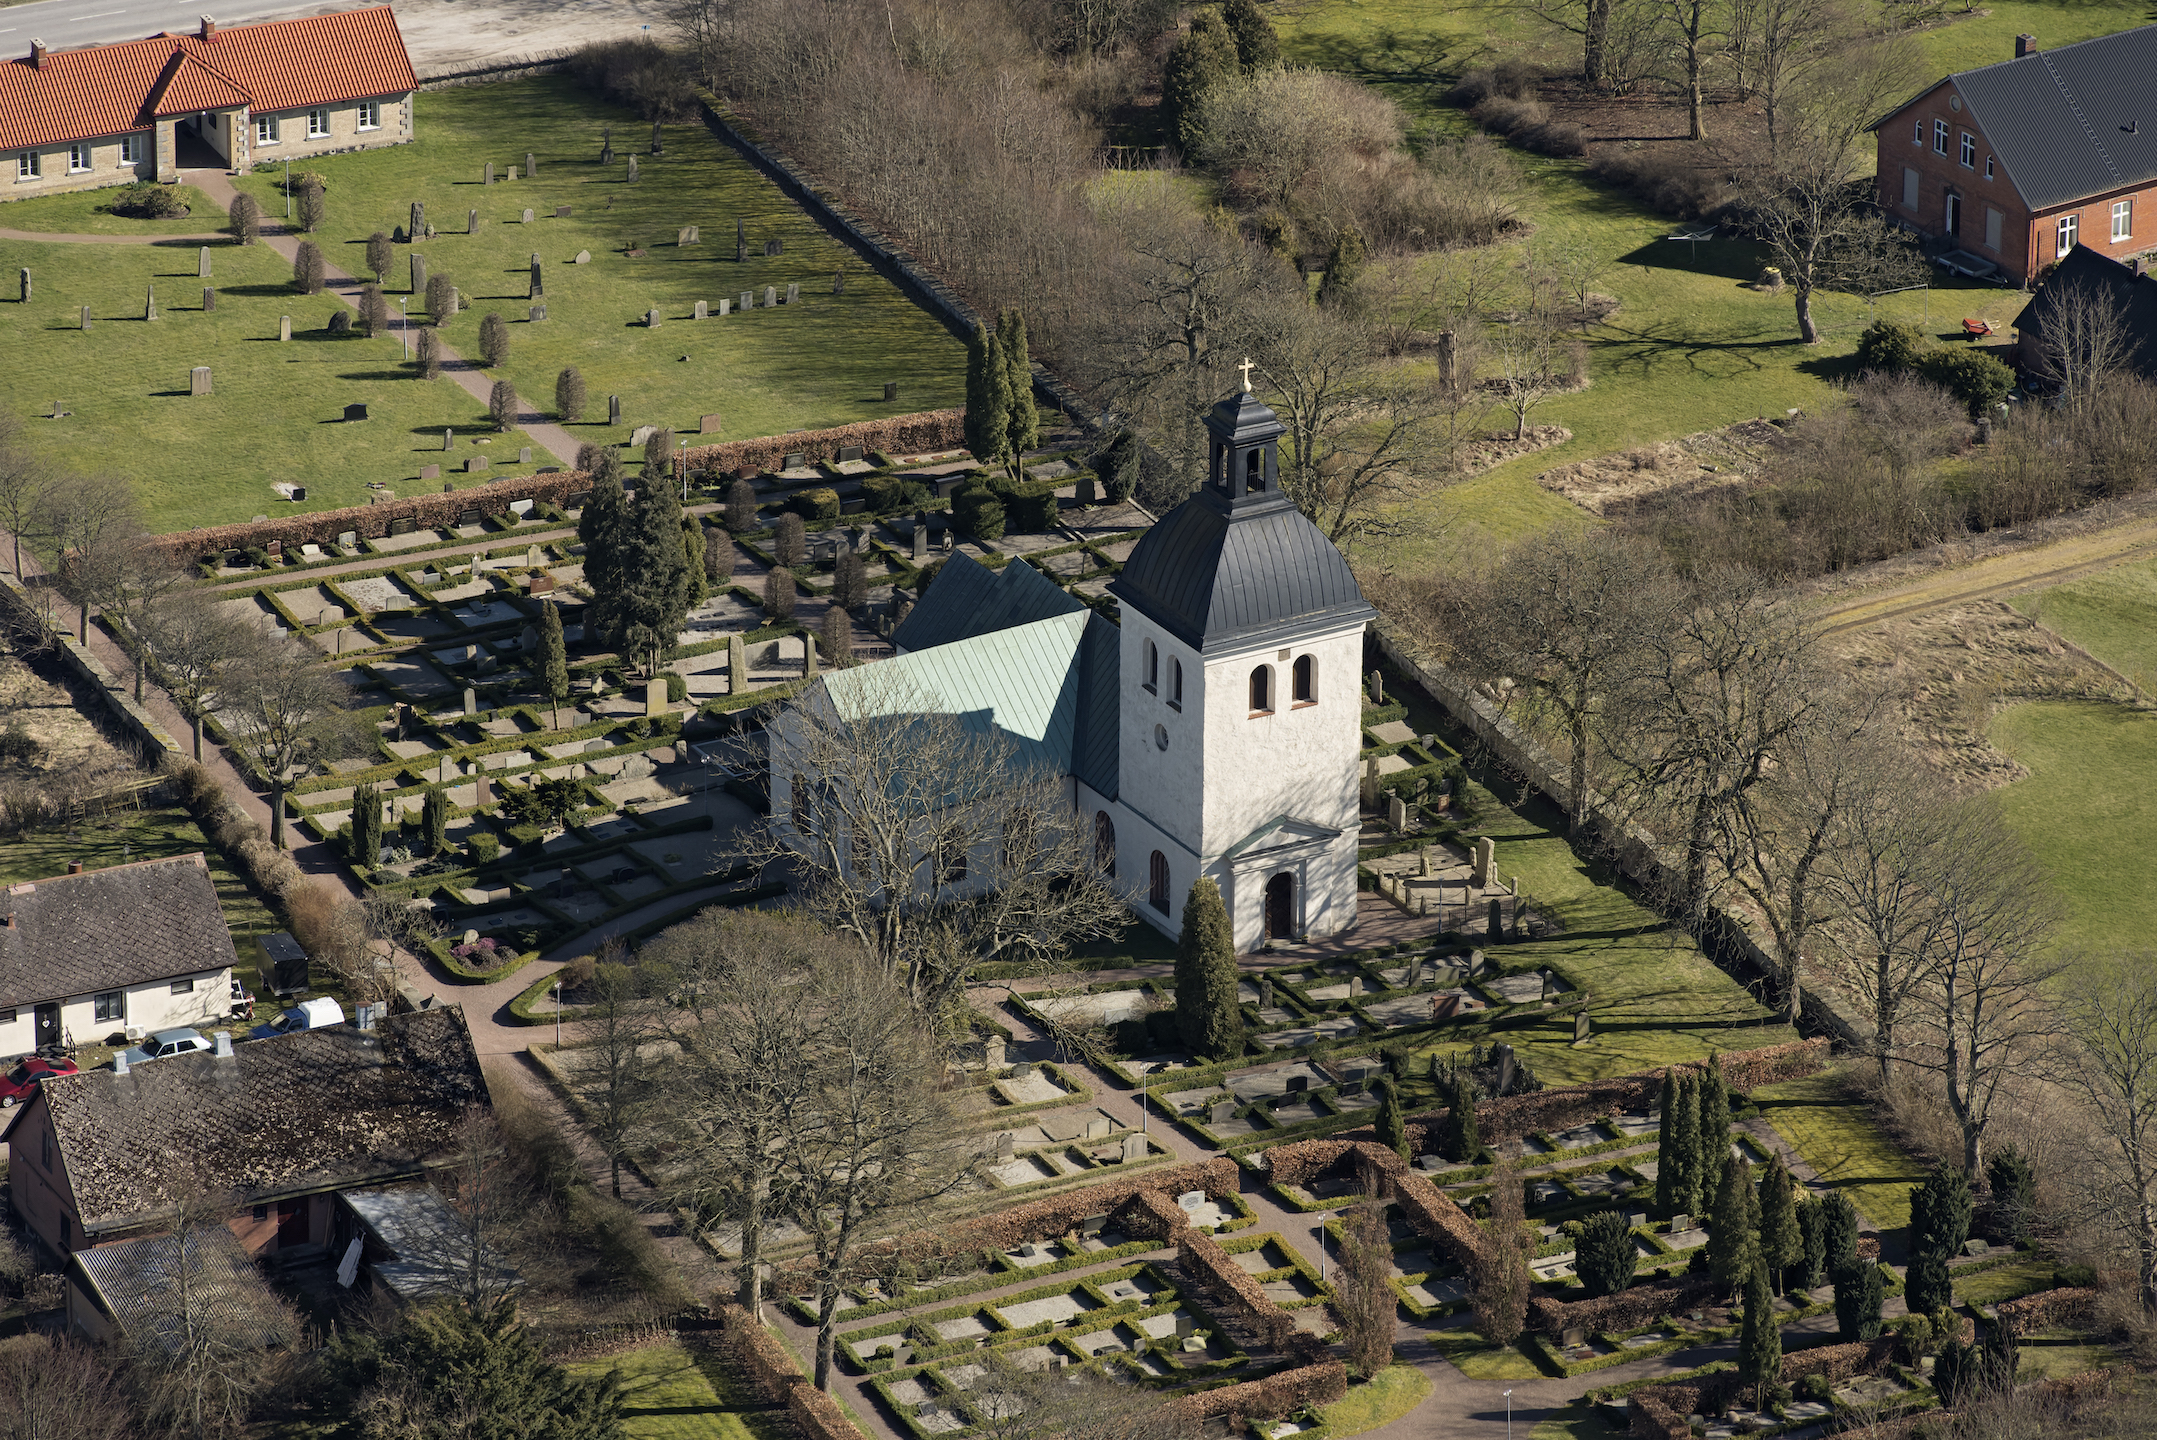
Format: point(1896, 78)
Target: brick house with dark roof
point(223, 97)
point(280, 1125)
point(2019, 162)
point(129, 950)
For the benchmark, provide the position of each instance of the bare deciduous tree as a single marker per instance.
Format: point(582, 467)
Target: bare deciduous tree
point(617, 1072)
point(1017, 1403)
point(2110, 1017)
point(26, 484)
point(1823, 236)
point(60, 1390)
point(2082, 339)
point(85, 516)
point(125, 576)
point(192, 640)
point(1367, 1307)
point(286, 711)
point(205, 1357)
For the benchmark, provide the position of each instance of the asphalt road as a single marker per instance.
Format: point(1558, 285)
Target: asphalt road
point(67, 24)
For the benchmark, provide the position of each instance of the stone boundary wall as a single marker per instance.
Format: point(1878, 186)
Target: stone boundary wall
point(137, 723)
point(496, 74)
point(1636, 856)
point(923, 430)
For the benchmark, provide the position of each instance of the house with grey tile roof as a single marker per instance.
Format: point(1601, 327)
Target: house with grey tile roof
point(277, 1126)
point(127, 950)
point(2017, 163)
point(1212, 732)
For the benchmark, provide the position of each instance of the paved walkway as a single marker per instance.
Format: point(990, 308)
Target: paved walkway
point(213, 237)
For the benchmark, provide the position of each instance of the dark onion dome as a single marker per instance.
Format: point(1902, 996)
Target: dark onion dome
point(1237, 562)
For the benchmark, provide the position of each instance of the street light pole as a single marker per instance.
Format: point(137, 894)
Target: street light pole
point(1508, 1415)
point(558, 1045)
point(288, 189)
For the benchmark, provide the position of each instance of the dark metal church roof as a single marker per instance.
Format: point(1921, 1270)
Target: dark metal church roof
point(2071, 122)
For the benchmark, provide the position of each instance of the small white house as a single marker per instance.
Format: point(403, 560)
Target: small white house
point(122, 951)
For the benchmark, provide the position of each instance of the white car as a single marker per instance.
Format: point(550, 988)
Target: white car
point(164, 1044)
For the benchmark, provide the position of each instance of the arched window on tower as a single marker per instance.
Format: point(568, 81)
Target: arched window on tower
point(1157, 882)
point(1254, 471)
point(1175, 682)
point(1262, 690)
point(1104, 843)
point(1306, 681)
point(1153, 667)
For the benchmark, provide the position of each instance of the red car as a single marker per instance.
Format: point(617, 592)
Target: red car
point(20, 1083)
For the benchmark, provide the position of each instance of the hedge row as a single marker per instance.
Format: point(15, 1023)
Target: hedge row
point(923, 430)
point(758, 1357)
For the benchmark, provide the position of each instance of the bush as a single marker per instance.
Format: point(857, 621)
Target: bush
point(494, 340)
point(1887, 346)
point(146, 200)
point(677, 688)
point(483, 847)
point(1503, 115)
point(979, 513)
point(309, 271)
point(1512, 79)
point(1605, 1254)
point(245, 219)
point(569, 395)
point(639, 73)
point(895, 492)
point(1977, 378)
point(1553, 137)
point(1031, 512)
point(817, 504)
point(1668, 181)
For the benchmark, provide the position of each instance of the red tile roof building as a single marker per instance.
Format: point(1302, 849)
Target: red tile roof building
point(113, 114)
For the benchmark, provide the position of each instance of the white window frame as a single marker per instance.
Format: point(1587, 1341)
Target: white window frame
point(266, 130)
point(1939, 137)
point(318, 123)
point(2123, 220)
point(80, 157)
point(109, 1007)
point(370, 114)
point(1968, 153)
point(27, 166)
point(1917, 133)
point(183, 987)
point(130, 149)
point(1988, 167)
point(2070, 231)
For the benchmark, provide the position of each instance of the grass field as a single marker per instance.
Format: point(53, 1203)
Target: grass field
point(275, 411)
point(2079, 810)
point(2112, 614)
point(821, 363)
point(668, 1396)
point(126, 835)
point(2012, 1281)
point(1478, 1359)
point(78, 213)
point(1384, 1398)
point(1839, 1140)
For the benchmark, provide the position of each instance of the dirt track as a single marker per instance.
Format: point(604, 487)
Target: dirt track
point(2015, 570)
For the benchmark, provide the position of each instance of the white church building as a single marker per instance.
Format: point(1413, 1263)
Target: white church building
point(1215, 732)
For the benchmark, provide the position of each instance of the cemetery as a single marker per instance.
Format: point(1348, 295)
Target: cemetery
point(696, 223)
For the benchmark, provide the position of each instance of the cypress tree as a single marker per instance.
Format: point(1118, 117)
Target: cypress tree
point(1207, 1014)
point(1714, 1121)
point(741, 507)
point(1812, 1256)
point(553, 660)
point(1760, 1346)
point(434, 821)
point(1940, 1214)
point(1022, 422)
point(1838, 1230)
point(658, 599)
point(1462, 1141)
point(658, 457)
point(1257, 47)
point(1734, 1231)
point(1667, 1174)
point(1926, 1285)
point(987, 422)
point(1782, 1243)
point(1201, 59)
point(693, 557)
point(1392, 1121)
point(2014, 1194)
point(1858, 1297)
point(603, 528)
point(1683, 1128)
point(366, 827)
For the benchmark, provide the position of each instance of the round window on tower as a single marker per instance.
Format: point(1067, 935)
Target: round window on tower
point(1160, 737)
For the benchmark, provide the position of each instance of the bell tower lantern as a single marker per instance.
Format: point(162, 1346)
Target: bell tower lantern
point(1244, 461)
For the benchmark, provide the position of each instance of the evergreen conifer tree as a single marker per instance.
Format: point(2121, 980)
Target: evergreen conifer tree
point(1782, 1243)
point(658, 571)
point(1714, 1121)
point(1859, 1294)
point(1940, 1215)
point(1760, 1344)
point(1392, 1123)
point(1257, 47)
point(1344, 266)
point(1022, 422)
point(1926, 1284)
point(1812, 1257)
point(1667, 1172)
point(693, 557)
point(1207, 1014)
point(1205, 56)
point(1462, 1141)
point(479, 1359)
point(1500, 1274)
point(658, 458)
point(2014, 1194)
point(553, 660)
point(603, 527)
point(1605, 1255)
point(1734, 1230)
point(366, 827)
point(1838, 1230)
point(434, 821)
point(741, 507)
point(988, 418)
point(1683, 1127)
point(569, 395)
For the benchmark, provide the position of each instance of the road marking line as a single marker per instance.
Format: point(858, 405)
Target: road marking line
point(100, 15)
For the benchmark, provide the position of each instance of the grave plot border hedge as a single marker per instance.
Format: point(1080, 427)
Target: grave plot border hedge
point(982, 1280)
point(1077, 1092)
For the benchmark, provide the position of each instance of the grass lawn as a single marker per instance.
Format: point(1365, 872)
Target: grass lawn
point(78, 214)
point(135, 835)
point(2026, 1276)
point(276, 410)
point(668, 1396)
point(1576, 1421)
point(2088, 829)
point(1392, 1393)
point(1478, 1359)
point(2112, 614)
point(822, 363)
point(1836, 1136)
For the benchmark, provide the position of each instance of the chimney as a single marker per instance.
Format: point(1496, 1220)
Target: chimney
point(209, 28)
point(2025, 45)
point(74, 867)
point(37, 54)
point(363, 1016)
point(119, 1062)
point(224, 1044)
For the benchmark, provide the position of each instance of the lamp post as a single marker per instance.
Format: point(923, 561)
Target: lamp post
point(288, 189)
point(1508, 1415)
point(404, 324)
point(558, 1045)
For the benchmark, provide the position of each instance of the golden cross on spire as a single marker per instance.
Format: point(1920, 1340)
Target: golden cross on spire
point(1245, 367)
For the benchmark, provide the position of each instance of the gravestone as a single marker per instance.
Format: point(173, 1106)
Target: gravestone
point(85, 317)
point(274, 549)
point(456, 301)
point(707, 425)
point(527, 216)
point(340, 323)
point(402, 525)
point(793, 291)
point(1186, 1325)
point(346, 539)
point(471, 701)
point(737, 666)
point(651, 319)
point(1574, 1335)
point(149, 302)
point(482, 791)
point(449, 441)
point(419, 274)
point(891, 389)
point(488, 178)
point(471, 222)
point(632, 169)
point(724, 305)
point(524, 457)
point(536, 314)
point(748, 300)
point(531, 166)
point(1636, 1219)
point(702, 312)
point(284, 327)
point(642, 433)
point(532, 557)
point(771, 296)
point(849, 452)
point(1134, 1148)
point(542, 584)
point(202, 264)
point(1004, 1149)
point(1503, 1053)
point(1679, 1224)
point(741, 243)
point(1496, 927)
point(606, 146)
point(1378, 688)
point(838, 282)
point(539, 282)
point(209, 301)
point(921, 536)
point(1582, 1027)
point(685, 236)
point(1297, 1084)
point(198, 382)
point(561, 212)
point(1221, 1112)
point(1397, 813)
point(25, 284)
point(1483, 857)
point(657, 146)
point(774, 247)
point(614, 409)
point(474, 465)
point(584, 257)
point(655, 697)
point(356, 412)
point(419, 220)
